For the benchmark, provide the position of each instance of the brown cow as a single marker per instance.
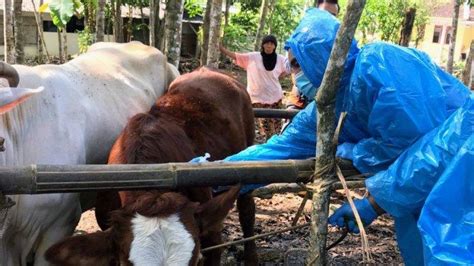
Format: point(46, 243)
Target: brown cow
point(204, 111)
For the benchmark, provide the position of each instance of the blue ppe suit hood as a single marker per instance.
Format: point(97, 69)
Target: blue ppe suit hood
point(311, 44)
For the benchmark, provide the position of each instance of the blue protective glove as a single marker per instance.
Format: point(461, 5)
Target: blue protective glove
point(344, 217)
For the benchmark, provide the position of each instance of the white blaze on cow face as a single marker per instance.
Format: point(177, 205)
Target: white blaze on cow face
point(160, 241)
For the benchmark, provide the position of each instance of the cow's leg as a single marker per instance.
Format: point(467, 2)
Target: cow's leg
point(212, 257)
point(106, 202)
point(246, 207)
point(62, 227)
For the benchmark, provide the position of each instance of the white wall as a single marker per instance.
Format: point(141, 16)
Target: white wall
point(52, 44)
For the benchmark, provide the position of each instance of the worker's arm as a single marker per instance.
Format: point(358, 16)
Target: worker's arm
point(227, 52)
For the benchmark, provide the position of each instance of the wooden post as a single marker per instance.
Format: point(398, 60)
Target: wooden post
point(325, 146)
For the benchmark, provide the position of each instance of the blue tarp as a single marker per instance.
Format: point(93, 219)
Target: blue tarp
point(432, 177)
point(393, 96)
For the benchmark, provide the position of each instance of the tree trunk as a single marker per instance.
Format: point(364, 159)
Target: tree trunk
point(130, 24)
point(226, 14)
point(420, 34)
point(214, 34)
point(271, 11)
point(205, 32)
point(64, 43)
point(9, 40)
point(160, 31)
point(325, 146)
point(100, 21)
point(467, 77)
point(452, 45)
point(118, 25)
point(60, 46)
point(40, 35)
point(142, 16)
point(173, 28)
point(407, 27)
point(153, 22)
point(261, 24)
point(19, 34)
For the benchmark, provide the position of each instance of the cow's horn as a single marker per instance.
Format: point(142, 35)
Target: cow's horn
point(10, 73)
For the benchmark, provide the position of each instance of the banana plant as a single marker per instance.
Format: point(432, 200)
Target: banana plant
point(62, 10)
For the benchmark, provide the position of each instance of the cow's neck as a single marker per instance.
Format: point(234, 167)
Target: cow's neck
point(160, 241)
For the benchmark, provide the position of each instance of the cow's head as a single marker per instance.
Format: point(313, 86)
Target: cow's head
point(157, 229)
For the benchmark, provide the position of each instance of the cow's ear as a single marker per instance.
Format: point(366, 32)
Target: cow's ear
point(12, 97)
point(213, 212)
point(90, 249)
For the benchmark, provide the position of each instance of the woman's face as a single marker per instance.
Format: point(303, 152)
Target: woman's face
point(269, 47)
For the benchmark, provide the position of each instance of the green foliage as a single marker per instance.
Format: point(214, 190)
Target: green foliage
point(63, 10)
point(85, 38)
point(194, 8)
point(241, 31)
point(383, 19)
point(284, 19)
point(251, 5)
point(458, 68)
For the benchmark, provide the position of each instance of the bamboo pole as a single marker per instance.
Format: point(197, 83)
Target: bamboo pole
point(274, 113)
point(36, 179)
point(325, 147)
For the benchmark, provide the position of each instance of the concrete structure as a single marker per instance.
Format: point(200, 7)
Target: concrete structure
point(438, 32)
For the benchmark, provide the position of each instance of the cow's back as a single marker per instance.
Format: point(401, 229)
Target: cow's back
point(216, 109)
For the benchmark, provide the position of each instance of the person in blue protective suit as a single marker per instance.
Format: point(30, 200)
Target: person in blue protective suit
point(393, 97)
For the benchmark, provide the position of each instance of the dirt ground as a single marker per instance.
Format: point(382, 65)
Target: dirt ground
point(278, 213)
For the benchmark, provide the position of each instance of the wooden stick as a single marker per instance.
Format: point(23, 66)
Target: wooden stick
point(325, 147)
point(300, 209)
point(254, 237)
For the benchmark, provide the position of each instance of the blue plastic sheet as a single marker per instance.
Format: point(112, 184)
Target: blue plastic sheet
point(397, 95)
point(447, 219)
point(398, 103)
point(434, 177)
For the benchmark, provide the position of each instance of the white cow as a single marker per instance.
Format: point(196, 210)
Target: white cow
point(70, 114)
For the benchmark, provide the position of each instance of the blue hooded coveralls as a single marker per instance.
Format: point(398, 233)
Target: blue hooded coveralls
point(408, 122)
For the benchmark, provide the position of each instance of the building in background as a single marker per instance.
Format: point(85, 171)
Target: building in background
point(439, 29)
point(30, 29)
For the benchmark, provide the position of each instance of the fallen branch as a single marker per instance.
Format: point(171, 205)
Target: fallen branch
point(254, 237)
point(267, 192)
